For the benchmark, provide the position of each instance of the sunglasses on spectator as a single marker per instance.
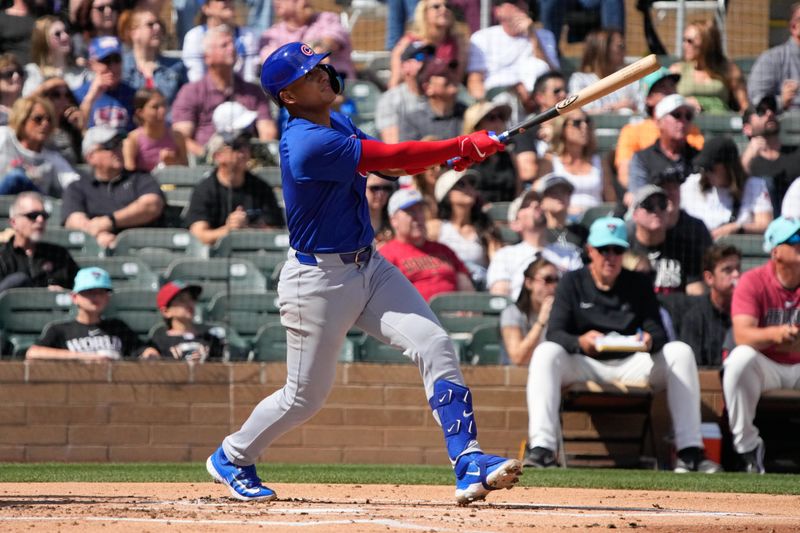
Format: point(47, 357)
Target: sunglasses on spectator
point(39, 119)
point(654, 203)
point(688, 116)
point(689, 41)
point(57, 93)
point(762, 109)
point(610, 250)
point(33, 215)
point(9, 74)
point(578, 122)
point(548, 280)
point(105, 7)
point(380, 188)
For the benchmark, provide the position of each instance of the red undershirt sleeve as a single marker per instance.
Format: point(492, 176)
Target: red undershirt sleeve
point(377, 156)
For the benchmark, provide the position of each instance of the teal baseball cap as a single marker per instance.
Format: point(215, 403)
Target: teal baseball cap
point(608, 231)
point(649, 81)
point(91, 278)
point(782, 230)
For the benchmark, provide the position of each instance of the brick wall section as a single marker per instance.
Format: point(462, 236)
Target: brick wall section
point(66, 411)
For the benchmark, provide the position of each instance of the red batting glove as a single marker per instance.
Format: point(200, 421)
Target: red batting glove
point(462, 163)
point(478, 146)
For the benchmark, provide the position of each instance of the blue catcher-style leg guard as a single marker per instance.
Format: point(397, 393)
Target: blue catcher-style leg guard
point(477, 473)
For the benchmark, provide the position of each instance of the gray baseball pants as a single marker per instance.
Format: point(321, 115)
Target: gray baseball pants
point(319, 304)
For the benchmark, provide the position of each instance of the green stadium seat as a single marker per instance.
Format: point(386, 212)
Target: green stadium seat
point(178, 196)
point(746, 64)
point(245, 311)
point(461, 312)
point(269, 264)
point(181, 176)
point(158, 247)
point(610, 121)
point(371, 350)
point(750, 245)
point(509, 236)
point(217, 275)
point(723, 124)
point(270, 344)
point(126, 272)
point(77, 242)
point(498, 211)
point(25, 312)
point(248, 242)
point(593, 213)
point(272, 175)
point(486, 346)
point(364, 95)
point(137, 308)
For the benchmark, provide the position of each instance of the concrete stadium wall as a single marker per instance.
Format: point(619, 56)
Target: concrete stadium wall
point(66, 411)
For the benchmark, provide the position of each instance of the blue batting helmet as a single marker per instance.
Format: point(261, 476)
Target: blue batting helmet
point(289, 63)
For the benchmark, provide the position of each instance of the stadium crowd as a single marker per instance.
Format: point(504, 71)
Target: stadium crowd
point(631, 219)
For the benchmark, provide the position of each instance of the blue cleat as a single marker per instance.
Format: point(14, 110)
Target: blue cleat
point(477, 474)
point(242, 481)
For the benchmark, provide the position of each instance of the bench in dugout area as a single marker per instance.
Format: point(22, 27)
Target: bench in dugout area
point(778, 422)
point(606, 424)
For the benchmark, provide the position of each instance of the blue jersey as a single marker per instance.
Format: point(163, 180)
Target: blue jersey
point(324, 195)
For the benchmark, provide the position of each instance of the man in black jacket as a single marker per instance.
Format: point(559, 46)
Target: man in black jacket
point(604, 326)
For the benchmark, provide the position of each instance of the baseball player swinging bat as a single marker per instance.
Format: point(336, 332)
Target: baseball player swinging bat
point(600, 88)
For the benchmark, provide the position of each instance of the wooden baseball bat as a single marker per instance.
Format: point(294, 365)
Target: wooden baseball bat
point(600, 88)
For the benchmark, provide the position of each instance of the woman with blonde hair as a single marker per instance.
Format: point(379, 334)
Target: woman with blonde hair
point(12, 78)
point(25, 163)
point(51, 56)
point(434, 25)
point(709, 80)
point(604, 54)
point(573, 155)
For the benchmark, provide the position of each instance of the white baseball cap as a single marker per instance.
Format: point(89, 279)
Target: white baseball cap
point(668, 104)
point(403, 199)
point(230, 119)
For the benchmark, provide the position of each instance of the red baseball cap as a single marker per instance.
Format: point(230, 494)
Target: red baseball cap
point(171, 289)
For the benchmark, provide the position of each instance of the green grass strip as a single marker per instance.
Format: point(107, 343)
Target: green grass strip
point(402, 475)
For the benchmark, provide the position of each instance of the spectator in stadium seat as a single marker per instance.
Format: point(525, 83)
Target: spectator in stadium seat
point(181, 338)
point(93, 18)
point(51, 56)
point(12, 78)
point(764, 155)
point(195, 104)
point(589, 304)
point(431, 267)
point(143, 66)
point(26, 164)
point(555, 192)
point(709, 81)
point(549, 89)
point(89, 336)
point(67, 132)
point(776, 72)
point(405, 97)
point(506, 272)
point(496, 177)
point(604, 54)
point(231, 197)
point(16, 26)
point(511, 54)
point(462, 225)
point(707, 323)
point(298, 21)
point(767, 335)
point(612, 14)
point(214, 14)
point(721, 195)
point(400, 14)
point(671, 151)
point(111, 199)
point(378, 193)
point(637, 136)
point(154, 143)
point(433, 25)
point(26, 261)
point(791, 202)
point(106, 100)
point(573, 155)
point(674, 252)
point(442, 115)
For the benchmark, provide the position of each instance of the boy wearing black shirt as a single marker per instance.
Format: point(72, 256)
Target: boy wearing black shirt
point(89, 337)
